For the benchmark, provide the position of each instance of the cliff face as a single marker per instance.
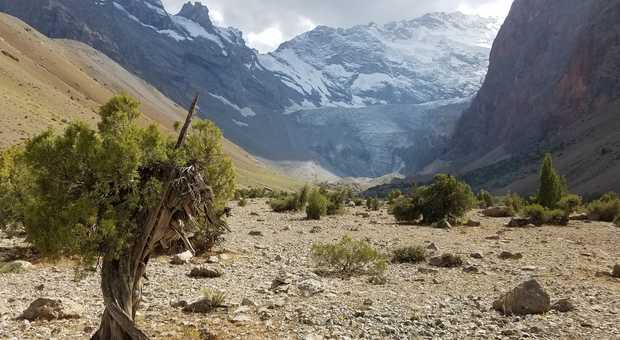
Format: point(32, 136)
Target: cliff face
point(553, 85)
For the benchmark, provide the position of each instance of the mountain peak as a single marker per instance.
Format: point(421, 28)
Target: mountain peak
point(196, 12)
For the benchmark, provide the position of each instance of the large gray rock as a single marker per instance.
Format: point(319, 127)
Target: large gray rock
point(15, 266)
point(182, 258)
point(49, 309)
point(206, 272)
point(616, 271)
point(527, 298)
point(446, 260)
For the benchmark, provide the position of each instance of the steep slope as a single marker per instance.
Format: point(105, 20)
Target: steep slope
point(46, 83)
point(251, 96)
point(553, 85)
point(435, 57)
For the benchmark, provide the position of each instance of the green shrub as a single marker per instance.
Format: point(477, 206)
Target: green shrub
point(349, 256)
point(285, 203)
point(214, 297)
point(486, 199)
point(617, 221)
point(394, 194)
point(411, 254)
point(445, 198)
point(570, 203)
point(372, 203)
point(358, 202)
point(539, 215)
point(15, 184)
point(552, 186)
point(515, 203)
point(404, 210)
point(335, 202)
point(606, 208)
point(317, 205)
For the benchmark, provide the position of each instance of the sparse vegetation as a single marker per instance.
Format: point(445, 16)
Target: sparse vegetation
point(394, 194)
point(317, 205)
point(552, 186)
point(410, 254)
point(570, 203)
point(349, 256)
point(515, 203)
point(213, 297)
point(486, 199)
point(372, 203)
point(540, 215)
point(242, 202)
point(606, 208)
point(335, 204)
point(445, 198)
point(285, 202)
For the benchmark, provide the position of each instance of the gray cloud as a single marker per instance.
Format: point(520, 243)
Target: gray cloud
point(291, 17)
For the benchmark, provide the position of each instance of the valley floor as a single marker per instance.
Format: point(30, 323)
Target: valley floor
point(448, 304)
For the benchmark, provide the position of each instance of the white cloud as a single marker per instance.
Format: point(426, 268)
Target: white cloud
point(267, 23)
point(267, 40)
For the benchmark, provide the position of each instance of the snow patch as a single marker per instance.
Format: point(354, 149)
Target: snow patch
point(245, 112)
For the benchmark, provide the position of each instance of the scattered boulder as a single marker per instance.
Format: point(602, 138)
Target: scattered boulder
point(476, 255)
point(255, 233)
point(248, 302)
point(363, 215)
point(432, 247)
point(506, 255)
point(527, 298)
point(310, 287)
point(563, 306)
point(182, 258)
point(471, 270)
point(497, 211)
point(447, 260)
point(204, 305)
point(179, 304)
point(519, 222)
point(423, 270)
point(315, 230)
point(616, 271)
point(377, 280)
point(206, 272)
point(49, 309)
point(241, 315)
point(281, 283)
point(472, 223)
point(15, 266)
point(578, 217)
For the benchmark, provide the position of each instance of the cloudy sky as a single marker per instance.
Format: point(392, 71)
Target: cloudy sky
point(267, 23)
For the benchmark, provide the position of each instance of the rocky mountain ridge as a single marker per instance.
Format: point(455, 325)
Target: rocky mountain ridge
point(253, 97)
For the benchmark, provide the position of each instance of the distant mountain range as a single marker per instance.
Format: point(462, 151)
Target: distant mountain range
point(376, 83)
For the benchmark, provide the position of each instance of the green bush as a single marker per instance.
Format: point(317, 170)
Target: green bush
point(606, 208)
point(411, 254)
point(515, 203)
point(372, 203)
point(15, 184)
point(358, 202)
point(445, 198)
point(394, 194)
point(285, 202)
point(486, 199)
point(349, 256)
point(570, 203)
point(540, 215)
point(317, 205)
point(552, 186)
point(404, 209)
point(335, 204)
point(617, 221)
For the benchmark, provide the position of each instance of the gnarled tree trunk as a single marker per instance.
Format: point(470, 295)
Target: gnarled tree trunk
point(185, 191)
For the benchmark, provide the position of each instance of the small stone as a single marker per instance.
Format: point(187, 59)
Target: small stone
point(206, 272)
point(423, 270)
point(248, 302)
point(432, 247)
point(315, 230)
point(446, 260)
point(506, 255)
point(182, 258)
point(493, 237)
point(310, 287)
point(443, 224)
point(472, 223)
point(255, 233)
point(471, 270)
point(563, 305)
point(518, 222)
point(476, 255)
point(616, 271)
point(368, 302)
point(179, 304)
point(497, 211)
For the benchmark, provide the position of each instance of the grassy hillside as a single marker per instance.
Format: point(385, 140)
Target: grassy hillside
point(47, 83)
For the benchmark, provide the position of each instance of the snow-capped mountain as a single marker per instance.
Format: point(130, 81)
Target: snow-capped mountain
point(252, 97)
point(437, 56)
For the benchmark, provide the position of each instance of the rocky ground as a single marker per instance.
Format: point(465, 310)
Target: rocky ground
point(439, 303)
